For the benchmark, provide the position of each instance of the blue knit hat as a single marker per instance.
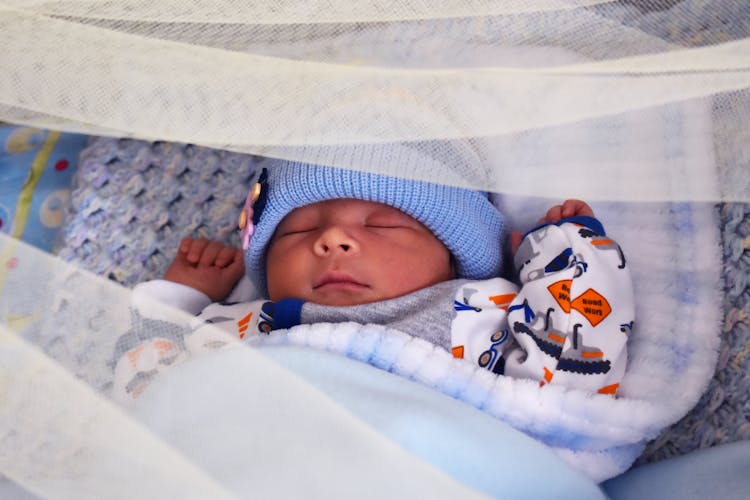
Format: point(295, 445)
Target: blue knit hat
point(467, 223)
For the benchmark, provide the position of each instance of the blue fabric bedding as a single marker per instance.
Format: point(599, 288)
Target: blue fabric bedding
point(718, 472)
point(468, 445)
point(460, 440)
point(481, 452)
point(36, 169)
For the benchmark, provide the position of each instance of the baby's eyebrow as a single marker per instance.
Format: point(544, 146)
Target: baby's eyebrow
point(298, 215)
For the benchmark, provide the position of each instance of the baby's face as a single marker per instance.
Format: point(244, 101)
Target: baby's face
point(346, 252)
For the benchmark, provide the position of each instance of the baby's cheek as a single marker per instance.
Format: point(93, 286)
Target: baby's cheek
point(418, 272)
point(438, 262)
point(278, 269)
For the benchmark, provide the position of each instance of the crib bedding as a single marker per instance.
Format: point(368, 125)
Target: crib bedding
point(36, 168)
point(130, 200)
point(672, 248)
point(491, 457)
point(679, 301)
point(718, 472)
point(675, 339)
point(600, 436)
point(469, 445)
point(690, 261)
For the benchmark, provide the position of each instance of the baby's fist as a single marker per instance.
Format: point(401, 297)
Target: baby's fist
point(208, 266)
point(569, 208)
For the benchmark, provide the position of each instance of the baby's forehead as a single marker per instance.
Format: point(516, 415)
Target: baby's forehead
point(345, 205)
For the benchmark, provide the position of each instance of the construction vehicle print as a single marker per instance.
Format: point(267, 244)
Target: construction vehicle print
point(526, 254)
point(559, 262)
point(265, 322)
point(143, 329)
point(499, 300)
point(583, 359)
point(492, 358)
point(547, 339)
point(464, 306)
point(601, 242)
point(146, 349)
point(528, 312)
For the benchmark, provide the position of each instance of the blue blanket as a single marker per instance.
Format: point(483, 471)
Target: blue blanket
point(205, 409)
point(36, 169)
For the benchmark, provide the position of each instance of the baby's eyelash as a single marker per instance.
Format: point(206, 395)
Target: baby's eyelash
point(297, 231)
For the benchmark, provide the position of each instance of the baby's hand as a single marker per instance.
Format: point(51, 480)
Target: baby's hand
point(569, 208)
point(208, 266)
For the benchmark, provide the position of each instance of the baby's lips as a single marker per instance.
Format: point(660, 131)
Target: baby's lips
point(337, 277)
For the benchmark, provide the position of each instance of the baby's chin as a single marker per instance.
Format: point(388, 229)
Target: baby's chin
point(342, 296)
point(345, 297)
point(349, 295)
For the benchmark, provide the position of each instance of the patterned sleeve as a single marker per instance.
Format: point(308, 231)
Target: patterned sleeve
point(479, 329)
point(161, 336)
point(572, 317)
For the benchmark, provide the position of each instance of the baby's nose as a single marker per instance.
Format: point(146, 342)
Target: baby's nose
point(335, 239)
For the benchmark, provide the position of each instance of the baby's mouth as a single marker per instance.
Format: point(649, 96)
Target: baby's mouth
point(338, 280)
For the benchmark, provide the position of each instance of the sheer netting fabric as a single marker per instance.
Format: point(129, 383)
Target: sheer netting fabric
point(624, 103)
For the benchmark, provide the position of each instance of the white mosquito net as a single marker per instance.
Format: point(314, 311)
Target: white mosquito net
point(537, 93)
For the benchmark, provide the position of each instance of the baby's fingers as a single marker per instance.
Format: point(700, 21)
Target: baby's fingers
point(195, 252)
point(227, 256)
point(185, 245)
point(210, 253)
point(571, 208)
point(554, 214)
point(236, 267)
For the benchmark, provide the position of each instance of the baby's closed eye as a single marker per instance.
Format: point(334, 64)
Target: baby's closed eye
point(383, 225)
point(289, 231)
point(300, 221)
